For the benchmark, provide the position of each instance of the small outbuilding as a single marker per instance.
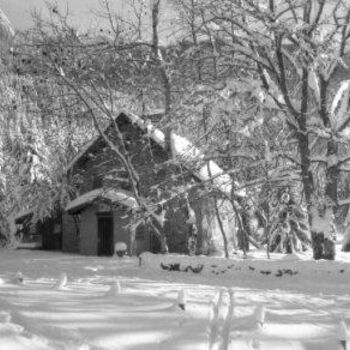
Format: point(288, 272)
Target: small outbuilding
point(102, 213)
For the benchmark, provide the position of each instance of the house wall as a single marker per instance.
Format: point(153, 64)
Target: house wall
point(121, 231)
point(175, 227)
point(70, 236)
point(142, 240)
point(88, 231)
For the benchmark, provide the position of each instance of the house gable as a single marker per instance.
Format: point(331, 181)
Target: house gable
point(99, 166)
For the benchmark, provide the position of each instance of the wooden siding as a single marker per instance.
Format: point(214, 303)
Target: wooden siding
point(70, 235)
point(88, 231)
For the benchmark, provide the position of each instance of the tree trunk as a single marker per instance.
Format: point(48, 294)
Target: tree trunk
point(164, 249)
point(307, 178)
point(192, 240)
point(304, 152)
point(317, 244)
point(224, 238)
point(331, 193)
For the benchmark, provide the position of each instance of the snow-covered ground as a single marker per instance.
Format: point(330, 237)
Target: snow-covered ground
point(75, 302)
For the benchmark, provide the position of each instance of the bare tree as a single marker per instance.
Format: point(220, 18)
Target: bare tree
point(295, 51)
point(103, 73)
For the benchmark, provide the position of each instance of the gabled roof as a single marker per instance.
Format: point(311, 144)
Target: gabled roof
point(182, 148)
point(110, 194)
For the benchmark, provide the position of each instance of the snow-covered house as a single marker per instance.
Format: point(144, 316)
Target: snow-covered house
point(100, 215)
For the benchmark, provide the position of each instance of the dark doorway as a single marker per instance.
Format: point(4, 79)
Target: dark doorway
point(50, 230)
point(105, 236)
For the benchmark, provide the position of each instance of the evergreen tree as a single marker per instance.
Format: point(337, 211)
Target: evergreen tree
point(290, 230)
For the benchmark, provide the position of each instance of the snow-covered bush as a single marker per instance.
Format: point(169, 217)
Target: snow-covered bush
point(120, 249)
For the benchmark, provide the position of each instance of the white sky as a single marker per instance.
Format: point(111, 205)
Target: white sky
point(83, 13)
point(19, 11)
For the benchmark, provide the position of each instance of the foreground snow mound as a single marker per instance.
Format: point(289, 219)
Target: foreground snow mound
point(114, 290)
point(61, 282)
point(182, 299)
point(260, 315)
point(343, 332)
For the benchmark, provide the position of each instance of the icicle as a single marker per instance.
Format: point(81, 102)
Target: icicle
point(114, 289)
point(343, 335)
point(62, 281)
point(259, 315)
point(182, 299)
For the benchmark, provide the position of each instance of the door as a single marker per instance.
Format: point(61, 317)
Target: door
point(105, 236)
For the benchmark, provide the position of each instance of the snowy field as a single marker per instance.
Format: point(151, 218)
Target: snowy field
point(112, 303)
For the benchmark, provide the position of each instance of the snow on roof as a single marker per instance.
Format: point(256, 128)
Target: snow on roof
point(81, 152)
point(210, 171)
point(114, 195)
point(181, 148)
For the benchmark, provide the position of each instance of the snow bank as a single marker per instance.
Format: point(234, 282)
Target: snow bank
point(285, 267)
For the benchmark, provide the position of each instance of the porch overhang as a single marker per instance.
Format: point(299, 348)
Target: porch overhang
point(111, 195)
point(23, 216)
